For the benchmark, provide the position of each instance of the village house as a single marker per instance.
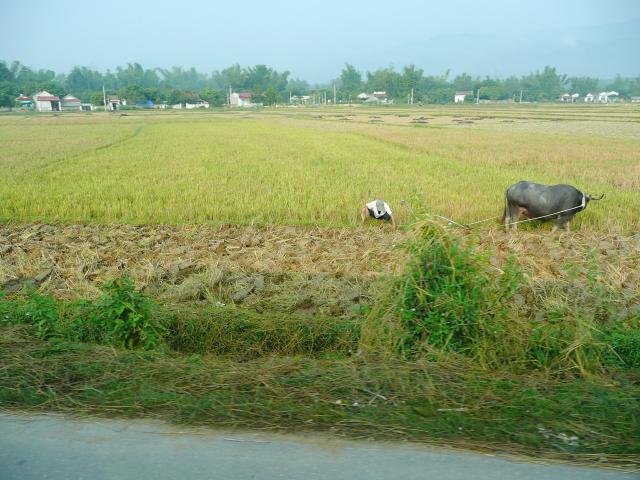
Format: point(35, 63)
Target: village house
point(114, 102)
point(299, 99)
point(45, 102)
point(606, 97)
point(459, 97)
point(196, 103)
point(570, 98)
point(24, 102)
point(375, 97)
point(69, 102)
point(589, 97)
point(242, 99)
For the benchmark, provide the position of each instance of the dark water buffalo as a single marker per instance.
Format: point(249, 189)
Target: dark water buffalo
point(545, 202)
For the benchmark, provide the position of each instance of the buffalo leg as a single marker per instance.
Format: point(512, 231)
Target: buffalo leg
point(561, 222)
point(512, 214)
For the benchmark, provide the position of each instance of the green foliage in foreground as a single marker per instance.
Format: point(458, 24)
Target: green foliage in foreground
point(448, 301)
point(489, 385)
point(422, 401)
point(124, 317)
point(453, 301)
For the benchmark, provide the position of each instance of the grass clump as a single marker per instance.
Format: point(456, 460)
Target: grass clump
point(453, 300)
point(125, 317)
point(122, 316)
point(41, 311)
point(246, 334)
point(449, 299)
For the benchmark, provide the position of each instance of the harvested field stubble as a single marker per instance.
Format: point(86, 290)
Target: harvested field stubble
point(288, 269)
point(276, 268)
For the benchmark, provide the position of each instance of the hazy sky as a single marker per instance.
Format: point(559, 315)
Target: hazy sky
point(314, 39)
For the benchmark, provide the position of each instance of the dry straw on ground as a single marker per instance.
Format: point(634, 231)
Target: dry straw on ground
point(281, 268)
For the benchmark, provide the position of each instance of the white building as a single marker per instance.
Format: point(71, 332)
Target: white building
point(69, 102)
point(240, 99)
point(299, 99)
point(375, 97)
point(606, 97)
point(196, 104)
point(589, 97)
point(113, 102)
point(459, 97)
point(570, 98)
point(45, 102)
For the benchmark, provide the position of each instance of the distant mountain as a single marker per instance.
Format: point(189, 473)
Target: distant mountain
point(601, 51)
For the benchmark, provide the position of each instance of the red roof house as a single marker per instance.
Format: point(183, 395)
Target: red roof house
point(45, 102)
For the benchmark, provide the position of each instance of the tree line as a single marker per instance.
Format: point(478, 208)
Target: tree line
point(268, 86)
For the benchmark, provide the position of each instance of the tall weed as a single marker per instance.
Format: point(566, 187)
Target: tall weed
point(126, 317)
point(449, 298)
point(452, 301)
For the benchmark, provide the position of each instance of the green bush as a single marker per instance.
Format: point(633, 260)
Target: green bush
point(442, 294)
point(449, 299)
point(625, 345)
point(42, 312)
point(31, 308)
point(123, 316)
point(453, 301)
point(126, 317)
point(8, 308)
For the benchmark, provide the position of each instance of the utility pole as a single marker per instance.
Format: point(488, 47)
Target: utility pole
point(334, 93)
point(104, 97)
point(478, 96)
point(520, 96)
point(411, 96)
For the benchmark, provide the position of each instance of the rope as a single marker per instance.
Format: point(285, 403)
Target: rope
point(451, 221)
point(482, 221)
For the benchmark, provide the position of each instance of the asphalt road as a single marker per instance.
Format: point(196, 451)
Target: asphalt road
point(57, 448)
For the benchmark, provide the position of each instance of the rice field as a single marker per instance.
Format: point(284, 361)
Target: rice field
point(281, 312)
point(314, 167)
